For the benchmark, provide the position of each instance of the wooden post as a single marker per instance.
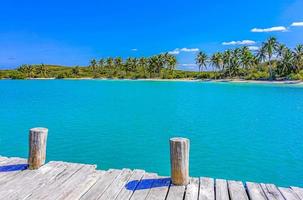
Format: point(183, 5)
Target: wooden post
point(179, 160)
point(37, 147)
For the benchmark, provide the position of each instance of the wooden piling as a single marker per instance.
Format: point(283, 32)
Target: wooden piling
point(37, 147)
point(179, 159)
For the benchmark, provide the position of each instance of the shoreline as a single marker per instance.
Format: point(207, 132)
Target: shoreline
point(285, 82)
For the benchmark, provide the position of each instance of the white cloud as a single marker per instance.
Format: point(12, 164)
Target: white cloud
point(253, 48)
point(174, 52)
point(243, 42)
point(297, 24)
point(178, 51)
point(188, 65)
point(189, 49)
point(272, 29)
point(134, 49)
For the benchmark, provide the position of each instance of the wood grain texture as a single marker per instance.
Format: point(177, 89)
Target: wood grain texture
point(32, 179)
point(207, 189)
point(236, 190)
point(6, 176)
point(54, 186)
point(135, 178)
point(176, 192)
point(72, 181)
point(288, 193)
point(192, 189)
point(159, 188)
point(144, 186)
point(255, 191)
point(221, 190)
point(298, 191)
point(272, 192)
point(37, 147)
point(101, 185)
point(113, 190)
point(179, 159)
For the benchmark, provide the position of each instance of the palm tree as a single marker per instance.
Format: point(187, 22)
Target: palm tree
point(118, 62)
point(247, 59)
point(270, 46)
point(135, 63)
point(110, 62)
point(128, 65)
point(298, 56)
point(280, 50)
point(216, 60)
point(76, 71)
point(261, 54)
point(31, 71)
point(42, 70)
point(171, 61)
point(93, 66)
point(101, 62)
point(286, 63)
point(23, 69)
point(155, 64)
point(143, 64)
point(201, 60)
point(235, 62)
point(227, 57)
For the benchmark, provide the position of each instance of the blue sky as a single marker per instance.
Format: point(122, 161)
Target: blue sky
point(72, 33)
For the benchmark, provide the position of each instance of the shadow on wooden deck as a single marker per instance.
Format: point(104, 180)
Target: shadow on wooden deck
point(147, 184)
point(11, 168)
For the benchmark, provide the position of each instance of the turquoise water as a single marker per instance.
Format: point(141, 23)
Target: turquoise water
point(238, 131)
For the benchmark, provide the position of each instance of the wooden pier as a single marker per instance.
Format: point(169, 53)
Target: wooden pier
point(32, 179)
point(72, 181)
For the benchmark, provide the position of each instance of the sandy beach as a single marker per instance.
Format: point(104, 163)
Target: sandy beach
point(287, 82)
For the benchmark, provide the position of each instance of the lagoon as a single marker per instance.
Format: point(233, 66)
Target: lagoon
point(248, 132)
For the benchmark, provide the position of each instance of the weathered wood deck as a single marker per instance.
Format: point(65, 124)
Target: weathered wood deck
point(61, 180)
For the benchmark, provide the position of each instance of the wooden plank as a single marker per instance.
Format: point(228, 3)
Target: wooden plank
point(192, 189)
point(3, 160)
point(128, 189)
point(6, 176)
point(221, 190)
point(298, 191)
point(176, 192)
point(75, 173)
point(237, 190)
point(113, 190)
point(144, 186)
point(159, 189)
point(272, 192)
point(101, 185)
point(255, 191)
point(207, 189)
point(12, 161)
point(25, 183)
point(76, 188)
point(288, 193)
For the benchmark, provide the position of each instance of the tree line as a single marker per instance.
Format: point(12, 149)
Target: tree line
point(144, 67)
point(273, 60)
point(157, 66)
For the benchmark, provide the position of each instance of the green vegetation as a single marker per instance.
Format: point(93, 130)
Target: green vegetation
point(273, 61)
